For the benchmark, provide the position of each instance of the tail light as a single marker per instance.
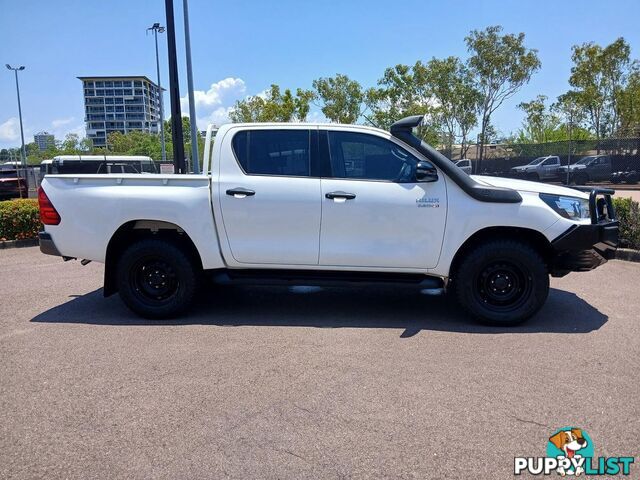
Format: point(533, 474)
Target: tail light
point(48, 213)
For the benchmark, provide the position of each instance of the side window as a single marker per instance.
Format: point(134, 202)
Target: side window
point(273, 152)
point(367, 157)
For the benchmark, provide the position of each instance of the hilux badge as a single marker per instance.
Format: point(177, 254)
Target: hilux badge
point(428, 202)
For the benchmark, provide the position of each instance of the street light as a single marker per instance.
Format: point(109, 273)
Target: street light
point(192, 103)
point(159, 29)
point(24, 152)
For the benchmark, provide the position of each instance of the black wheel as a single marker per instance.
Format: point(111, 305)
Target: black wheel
point(502, 282)
point(533, 177)
point(156, 279)
point(581, 179)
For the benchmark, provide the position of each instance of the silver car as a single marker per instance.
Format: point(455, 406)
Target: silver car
point(465, 165)
point(542, 168)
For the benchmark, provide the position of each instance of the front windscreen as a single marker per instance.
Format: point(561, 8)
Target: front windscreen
point(536, 161)
point(585, 160)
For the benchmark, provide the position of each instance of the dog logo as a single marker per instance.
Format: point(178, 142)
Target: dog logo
point(569, 442)
point(570, 452)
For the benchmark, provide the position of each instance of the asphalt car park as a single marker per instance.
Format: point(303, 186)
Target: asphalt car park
point(275, 382)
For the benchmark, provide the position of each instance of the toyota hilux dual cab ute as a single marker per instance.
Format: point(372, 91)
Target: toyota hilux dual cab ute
point(593, 168)
point(327, 204)
point(542, 168)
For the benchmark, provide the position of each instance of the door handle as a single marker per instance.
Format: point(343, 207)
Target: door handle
point(342, 195)
point(240, 192)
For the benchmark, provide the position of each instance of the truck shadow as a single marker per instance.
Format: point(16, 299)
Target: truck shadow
point(378, 307)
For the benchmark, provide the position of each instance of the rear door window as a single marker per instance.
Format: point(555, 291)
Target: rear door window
point(273, 152)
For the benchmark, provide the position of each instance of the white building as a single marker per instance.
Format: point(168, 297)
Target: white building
point(120, 104)
point(44, 140)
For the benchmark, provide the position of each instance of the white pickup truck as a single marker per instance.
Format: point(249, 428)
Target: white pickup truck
point(327, 204)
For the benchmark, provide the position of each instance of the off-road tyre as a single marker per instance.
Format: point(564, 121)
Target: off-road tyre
point(501, 282)
point(156, 279)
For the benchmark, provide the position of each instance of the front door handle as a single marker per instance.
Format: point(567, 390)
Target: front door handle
point(240, 192)
point(340, 195)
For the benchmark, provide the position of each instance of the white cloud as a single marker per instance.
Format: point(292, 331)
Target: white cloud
point(60, 122)
point(316, 116)
point(214, 105)
point(60, 127)
point(10, 130)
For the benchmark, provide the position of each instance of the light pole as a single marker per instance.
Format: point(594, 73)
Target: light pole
point(192, 105)
point(159, 29)
point(174, 91)
point(24, 152)
point(569, 155)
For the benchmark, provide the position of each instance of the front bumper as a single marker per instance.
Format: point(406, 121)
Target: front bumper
point(46, 244)
point(584, 247)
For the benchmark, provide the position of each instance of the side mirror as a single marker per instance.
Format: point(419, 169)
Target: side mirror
point(425, 172)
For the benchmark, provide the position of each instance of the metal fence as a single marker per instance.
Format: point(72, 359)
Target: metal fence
point(622, 155)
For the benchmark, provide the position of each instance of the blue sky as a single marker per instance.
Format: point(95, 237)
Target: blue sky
point(240, 47)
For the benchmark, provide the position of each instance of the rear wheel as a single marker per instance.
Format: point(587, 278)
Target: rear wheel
point(502, 282)
point(156, 279)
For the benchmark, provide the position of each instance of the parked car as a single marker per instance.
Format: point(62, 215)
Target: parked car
point(327, 204)
point(627, 176)
point(11, 185)
point(542, 168)
point(464, 164)
point(593, 168)
point(10, 165)
point(64, 164)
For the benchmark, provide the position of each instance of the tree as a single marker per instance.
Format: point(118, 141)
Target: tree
point(341, 98)
point(539, 122)
point(628, 104)
point(186, 130)
point(136, 142)
point(560, 122)
point(5, 156)
point(501, 65)
point(70, 145)
point(450, 83)
point(572, 117)
point(274, 106)
point(598, 78)
point(401, 93)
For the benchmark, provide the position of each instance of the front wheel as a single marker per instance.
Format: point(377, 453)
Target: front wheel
point(502, 282)
point(581, 179)
point(156, 279)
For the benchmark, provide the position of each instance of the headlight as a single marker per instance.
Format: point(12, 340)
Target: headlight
point(572, 208)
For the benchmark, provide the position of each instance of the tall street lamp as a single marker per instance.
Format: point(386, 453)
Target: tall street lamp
point(192, 104)
point(24, 152)
point(159, 29)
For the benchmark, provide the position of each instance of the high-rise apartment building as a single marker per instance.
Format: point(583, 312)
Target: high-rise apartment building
point(44, 140)
point(120, 104)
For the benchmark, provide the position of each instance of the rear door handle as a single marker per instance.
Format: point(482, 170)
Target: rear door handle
point(240, 192)
point(340, 195)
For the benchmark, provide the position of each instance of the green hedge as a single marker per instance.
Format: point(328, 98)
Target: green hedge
point(19, 219)
point(628, 212)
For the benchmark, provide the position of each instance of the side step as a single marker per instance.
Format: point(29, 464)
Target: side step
point(323, 278)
